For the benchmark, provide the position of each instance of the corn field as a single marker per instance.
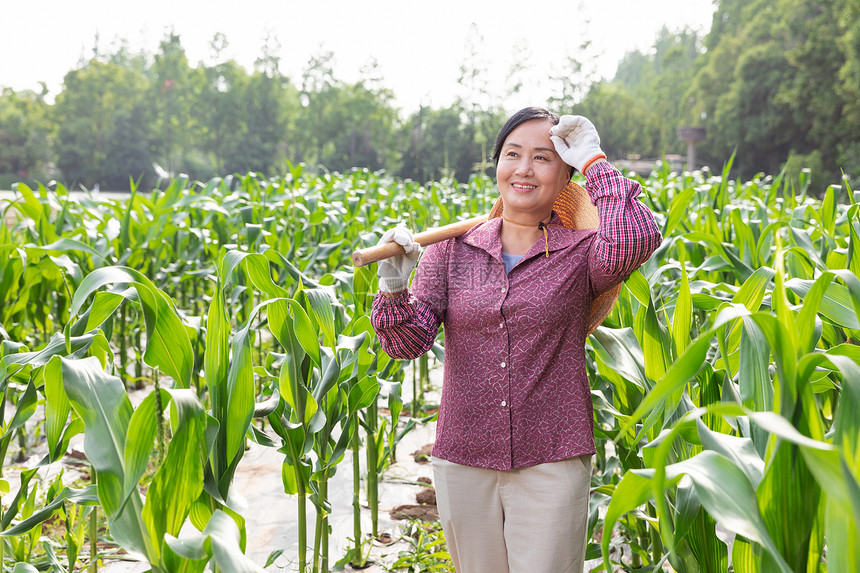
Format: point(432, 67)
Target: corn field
point(725, 383)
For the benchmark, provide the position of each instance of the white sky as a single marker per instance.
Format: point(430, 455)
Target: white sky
point(419, 45)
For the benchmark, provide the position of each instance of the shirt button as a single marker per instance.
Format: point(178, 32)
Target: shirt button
point(504, 364)
point(501, 325)
point(503, 289)
point(504, 403)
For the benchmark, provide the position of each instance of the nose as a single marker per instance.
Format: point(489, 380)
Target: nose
point(524, 166)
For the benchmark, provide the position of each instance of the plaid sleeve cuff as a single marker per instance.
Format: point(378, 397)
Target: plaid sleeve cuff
point(406, 327)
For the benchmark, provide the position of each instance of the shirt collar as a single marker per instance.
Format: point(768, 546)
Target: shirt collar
point(486, 237)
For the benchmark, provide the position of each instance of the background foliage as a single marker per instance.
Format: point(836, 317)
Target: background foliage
point(778, 81)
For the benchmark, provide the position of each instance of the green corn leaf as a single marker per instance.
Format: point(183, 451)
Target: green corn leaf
point(305, 333)
point(828, 210)
point(303, 406)
point(789, 497)
point(678, 210)
point(240, 394)
point(836, 303)
point(853, 241)
point(806, 319)
point(220, 540)
point(756, 389)
point(328, 377)
point(178, 482)
point(362, 394)
point(24, 409)
point(82, 496)
point(683, 317)
point(746, 557)
point(681, 371)
point(802, 240)
point(620, 351)
point(853, 284)
point(710, 552)
point(142, 429)
point(743, 237)
point(57, 405)
point(103, 405)
point(726, 493)
point(56, 346)
point(740, 451)
point(65, 244)
point(782, 345)
point(637, 284)
point(257, 268)
point(105, 304)
point(655, 345)
point(687, 509)
point(168, 347)
point(633, 490)
point(753, 289)
point(843, 538)
point(216, 358)
point(321, 307)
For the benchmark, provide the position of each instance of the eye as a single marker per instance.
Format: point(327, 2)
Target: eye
point(542, 157)
point(511, 154)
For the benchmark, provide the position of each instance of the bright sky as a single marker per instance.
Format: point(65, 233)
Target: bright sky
point(419, 46)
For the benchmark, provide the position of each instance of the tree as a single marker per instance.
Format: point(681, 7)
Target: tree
point(627, 125)
point(849, 84)
point(24, 133)
point(220, 118)
point(174, 94)
point(345, 125)
point(442, 145)
point(770, 83)
point(86, 111)
point(271, 101)
point(128, 153)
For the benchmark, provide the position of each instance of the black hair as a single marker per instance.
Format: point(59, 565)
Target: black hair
point(517, 119)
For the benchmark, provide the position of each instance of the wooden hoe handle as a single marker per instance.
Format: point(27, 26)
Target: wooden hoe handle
point(369, 255)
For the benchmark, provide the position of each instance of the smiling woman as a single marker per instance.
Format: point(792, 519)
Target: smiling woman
point(512, 457)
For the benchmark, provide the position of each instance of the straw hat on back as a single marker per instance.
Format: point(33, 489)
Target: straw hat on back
point(576, 211)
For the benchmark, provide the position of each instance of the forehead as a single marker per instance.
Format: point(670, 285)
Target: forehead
point(529, 133)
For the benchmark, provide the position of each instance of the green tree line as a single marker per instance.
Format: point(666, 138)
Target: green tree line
point(775, 81)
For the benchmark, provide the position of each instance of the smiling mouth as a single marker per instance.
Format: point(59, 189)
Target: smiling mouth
point(523, 186)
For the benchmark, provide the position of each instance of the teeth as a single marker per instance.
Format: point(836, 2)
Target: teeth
point(526, 186)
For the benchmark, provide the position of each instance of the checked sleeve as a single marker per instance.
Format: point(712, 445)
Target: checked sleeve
point(627, 234)
point(407, 324)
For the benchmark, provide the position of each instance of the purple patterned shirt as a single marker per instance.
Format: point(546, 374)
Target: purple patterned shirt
point(515, 390)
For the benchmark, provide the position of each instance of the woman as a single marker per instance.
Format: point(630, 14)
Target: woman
point(514, 438)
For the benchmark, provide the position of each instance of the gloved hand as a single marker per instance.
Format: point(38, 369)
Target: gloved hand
point(576, 141)
point(394, 271)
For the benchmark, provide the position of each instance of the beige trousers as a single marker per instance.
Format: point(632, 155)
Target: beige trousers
point(528, 520)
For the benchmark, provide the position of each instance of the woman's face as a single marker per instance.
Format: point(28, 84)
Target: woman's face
point(530, 173)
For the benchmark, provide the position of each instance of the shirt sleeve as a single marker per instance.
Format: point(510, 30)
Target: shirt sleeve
point(627, 234)
point(407, 324)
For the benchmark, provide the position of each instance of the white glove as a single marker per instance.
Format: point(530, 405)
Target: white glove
point(576, 141)
point(394, 271)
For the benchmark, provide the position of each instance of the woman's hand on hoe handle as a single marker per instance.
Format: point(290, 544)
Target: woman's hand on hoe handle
point(394, 271)
point(391, 248)
point(576, 140)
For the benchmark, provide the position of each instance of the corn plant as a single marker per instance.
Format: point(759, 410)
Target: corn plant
point(740, 409)
point(724, 382)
